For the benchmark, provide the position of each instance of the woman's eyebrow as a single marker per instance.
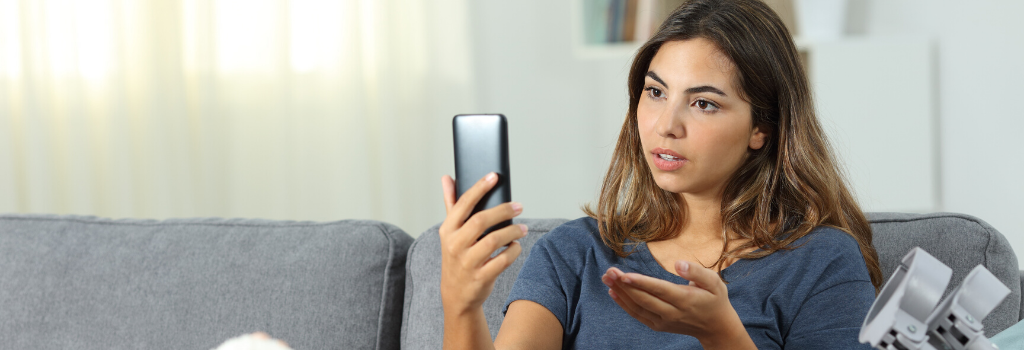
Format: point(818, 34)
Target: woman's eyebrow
point(656, 78)
point(693, 90)
point(705, 88)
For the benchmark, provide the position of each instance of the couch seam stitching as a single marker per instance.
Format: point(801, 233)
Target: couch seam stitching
point(361, 223)
point(384, 287)
point(932, 216)
point(410, 285)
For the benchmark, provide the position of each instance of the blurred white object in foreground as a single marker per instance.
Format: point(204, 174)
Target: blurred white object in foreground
point(255, 341)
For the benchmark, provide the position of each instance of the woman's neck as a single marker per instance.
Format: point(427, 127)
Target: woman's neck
point(703, 219)
point(701, 239)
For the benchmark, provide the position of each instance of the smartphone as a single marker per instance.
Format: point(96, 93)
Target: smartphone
point(481, 146)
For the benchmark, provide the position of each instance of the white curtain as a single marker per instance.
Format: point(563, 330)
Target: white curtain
point(279, 109)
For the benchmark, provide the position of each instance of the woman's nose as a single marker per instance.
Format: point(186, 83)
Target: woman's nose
point(670, 123)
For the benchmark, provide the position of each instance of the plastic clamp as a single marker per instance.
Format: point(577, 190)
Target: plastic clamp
point(898, 318)
point(957, 320)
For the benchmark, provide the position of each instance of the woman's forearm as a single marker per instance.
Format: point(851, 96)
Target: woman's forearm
point(469, 264)
point(732, 335)
point(466, 330)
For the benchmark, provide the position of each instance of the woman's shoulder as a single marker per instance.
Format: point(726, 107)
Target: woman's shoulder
point(579, 236)
point(823, 258)
point(826, 240)
point(827, 247)
point(580, 231)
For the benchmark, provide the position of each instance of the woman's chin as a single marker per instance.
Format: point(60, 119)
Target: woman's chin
point(683, 187)
point(677, 187)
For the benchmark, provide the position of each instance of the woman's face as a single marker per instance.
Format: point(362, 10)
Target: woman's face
point(694, 127)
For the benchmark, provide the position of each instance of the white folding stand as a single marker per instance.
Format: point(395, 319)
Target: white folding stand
point(907, 314)
point(957, 320)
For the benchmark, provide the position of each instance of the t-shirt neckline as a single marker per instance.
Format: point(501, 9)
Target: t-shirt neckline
point(654, 269)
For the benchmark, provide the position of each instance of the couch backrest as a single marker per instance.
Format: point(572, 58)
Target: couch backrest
point(959, 241)
point(70, 282)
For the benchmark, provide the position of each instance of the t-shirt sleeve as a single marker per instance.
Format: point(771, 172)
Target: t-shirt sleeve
point(546, 278)
point(831, 316)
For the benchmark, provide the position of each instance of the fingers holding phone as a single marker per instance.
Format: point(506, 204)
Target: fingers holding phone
point(448, 192)
point(463, 206)
point(468, 263)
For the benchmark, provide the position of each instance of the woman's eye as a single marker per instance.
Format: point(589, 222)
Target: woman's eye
point(654, 92)
point(706, 106)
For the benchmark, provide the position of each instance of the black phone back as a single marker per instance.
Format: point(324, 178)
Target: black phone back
point(481, 146)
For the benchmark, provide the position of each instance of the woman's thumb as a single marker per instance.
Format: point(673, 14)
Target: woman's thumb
point(699, 276)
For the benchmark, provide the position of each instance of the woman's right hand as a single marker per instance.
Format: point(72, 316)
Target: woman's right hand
point(468, 270)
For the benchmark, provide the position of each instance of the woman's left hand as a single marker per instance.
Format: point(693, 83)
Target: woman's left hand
point(700, 309)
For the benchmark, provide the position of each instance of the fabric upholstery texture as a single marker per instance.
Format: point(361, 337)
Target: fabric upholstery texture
point(69, 282)
point(960, 241)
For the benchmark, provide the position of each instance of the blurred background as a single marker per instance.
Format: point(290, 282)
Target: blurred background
point(341, 109)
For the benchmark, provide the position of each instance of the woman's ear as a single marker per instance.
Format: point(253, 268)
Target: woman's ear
point(757, 138)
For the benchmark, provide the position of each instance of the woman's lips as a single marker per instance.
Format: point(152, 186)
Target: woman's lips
point(674, 161)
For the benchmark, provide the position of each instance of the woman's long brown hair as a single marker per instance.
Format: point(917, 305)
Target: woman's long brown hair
point(783, 191)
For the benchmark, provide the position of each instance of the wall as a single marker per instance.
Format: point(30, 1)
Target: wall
point(979, 49)
point(564, 111)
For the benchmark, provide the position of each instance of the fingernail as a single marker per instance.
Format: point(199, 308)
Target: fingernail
point(491, 177)
point(524, 229)
point(611, 293)
point(626, 280)
point(517, 207)
point(682, 266)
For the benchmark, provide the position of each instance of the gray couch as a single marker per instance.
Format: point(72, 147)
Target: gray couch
point(70, 282)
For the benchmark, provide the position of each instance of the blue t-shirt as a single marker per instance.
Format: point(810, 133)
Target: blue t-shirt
point(811, 297)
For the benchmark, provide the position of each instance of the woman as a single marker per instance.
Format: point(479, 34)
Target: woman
point(723, 221)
